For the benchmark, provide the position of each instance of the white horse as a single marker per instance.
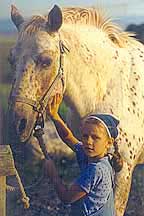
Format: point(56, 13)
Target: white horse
point(103, 72)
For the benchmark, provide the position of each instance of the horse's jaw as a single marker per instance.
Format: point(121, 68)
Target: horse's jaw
point(22, 118)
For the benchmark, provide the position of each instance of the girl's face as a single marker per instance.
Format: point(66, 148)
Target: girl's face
point(95, 139)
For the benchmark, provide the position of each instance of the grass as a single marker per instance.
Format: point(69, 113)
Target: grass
point(4, 93)
point(5, 73)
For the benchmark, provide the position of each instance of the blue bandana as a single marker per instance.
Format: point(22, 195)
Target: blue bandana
point(109, 121)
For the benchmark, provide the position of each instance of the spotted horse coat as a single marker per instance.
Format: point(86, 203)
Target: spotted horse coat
point(103, 72)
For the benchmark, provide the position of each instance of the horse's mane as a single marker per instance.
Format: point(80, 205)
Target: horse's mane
point(84, 16)
point(98, 18)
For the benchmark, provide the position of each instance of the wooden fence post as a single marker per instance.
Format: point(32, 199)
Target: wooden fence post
point(7, 168)
point(1, 122)
point(2, 195)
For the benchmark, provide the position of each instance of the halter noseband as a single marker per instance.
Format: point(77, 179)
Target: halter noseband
point(40, 105)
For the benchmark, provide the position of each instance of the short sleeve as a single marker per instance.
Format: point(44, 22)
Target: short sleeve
point(90, 177)
point(78, 147)
point(81, 156)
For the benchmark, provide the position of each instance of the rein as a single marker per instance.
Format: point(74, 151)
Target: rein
point(40, 105)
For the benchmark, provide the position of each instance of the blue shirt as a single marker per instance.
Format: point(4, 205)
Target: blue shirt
point(97, 180)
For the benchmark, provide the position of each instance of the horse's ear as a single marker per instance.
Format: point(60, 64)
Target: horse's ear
point(54, 19)
point(16, 17)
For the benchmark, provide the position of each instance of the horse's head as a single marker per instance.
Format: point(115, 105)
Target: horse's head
point(36, 60)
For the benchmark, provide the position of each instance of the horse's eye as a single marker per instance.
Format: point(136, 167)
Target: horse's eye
point(44, 61)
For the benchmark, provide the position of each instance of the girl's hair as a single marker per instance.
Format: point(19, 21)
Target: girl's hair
point(115, 158)
point(116, 161)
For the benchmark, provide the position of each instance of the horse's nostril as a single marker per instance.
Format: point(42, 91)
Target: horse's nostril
point(22, 125)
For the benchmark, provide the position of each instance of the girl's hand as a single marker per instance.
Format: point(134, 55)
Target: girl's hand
point(53, 105)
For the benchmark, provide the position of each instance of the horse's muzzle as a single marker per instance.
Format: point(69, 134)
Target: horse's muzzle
point(23, 119)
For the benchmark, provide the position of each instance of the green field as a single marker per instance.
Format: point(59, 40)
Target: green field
point(5, 44)
point(5, 73)
point(5, 79)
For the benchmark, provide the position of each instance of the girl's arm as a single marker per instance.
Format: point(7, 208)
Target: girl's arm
point(66, 195)
point(62, 129)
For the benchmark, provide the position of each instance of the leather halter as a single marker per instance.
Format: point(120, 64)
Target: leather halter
point(40, 105)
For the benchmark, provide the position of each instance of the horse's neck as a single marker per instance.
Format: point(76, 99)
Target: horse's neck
point(88, 70)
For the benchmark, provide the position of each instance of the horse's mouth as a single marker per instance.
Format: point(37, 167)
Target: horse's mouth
point(24, 129)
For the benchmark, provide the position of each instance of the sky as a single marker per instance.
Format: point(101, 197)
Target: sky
point(31, 7)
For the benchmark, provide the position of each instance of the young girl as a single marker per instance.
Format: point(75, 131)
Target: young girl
point(91, 193)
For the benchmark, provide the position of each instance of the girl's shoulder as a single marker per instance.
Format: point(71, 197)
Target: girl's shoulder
point(81, 156)
point(101, 165)
point(104, 168)
point(78, 148)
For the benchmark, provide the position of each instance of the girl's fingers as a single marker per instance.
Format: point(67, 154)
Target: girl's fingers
point(53, 101)
point(50, 100)
point(56, 96)
point(59, 98)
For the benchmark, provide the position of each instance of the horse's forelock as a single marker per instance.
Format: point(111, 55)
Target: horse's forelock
point(33, 25)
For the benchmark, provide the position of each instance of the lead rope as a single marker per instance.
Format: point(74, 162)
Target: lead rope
point(38, 133)
point(24, 198)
